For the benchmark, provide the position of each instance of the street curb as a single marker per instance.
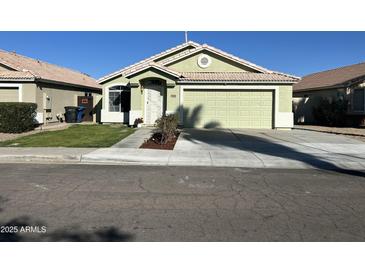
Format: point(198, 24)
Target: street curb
point(80, 159)
point(40, 158)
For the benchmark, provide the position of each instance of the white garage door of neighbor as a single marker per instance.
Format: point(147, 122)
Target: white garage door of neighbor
point(228, 108)
point(8, 94)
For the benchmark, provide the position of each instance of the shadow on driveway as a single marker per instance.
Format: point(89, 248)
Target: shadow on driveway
point(223, 138)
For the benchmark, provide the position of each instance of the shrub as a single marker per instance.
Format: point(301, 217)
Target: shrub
point(167, 125)
point(331, 113)
point(17, 117)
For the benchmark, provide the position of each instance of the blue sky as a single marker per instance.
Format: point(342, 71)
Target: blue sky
point(99, 53)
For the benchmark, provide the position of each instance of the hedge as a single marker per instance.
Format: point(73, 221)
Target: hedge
point(17, 117)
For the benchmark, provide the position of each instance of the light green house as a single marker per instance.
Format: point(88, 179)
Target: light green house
point(205, 86)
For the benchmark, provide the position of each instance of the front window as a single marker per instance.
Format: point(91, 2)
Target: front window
point(114, 101)
point(119, 99)
point(358, 100)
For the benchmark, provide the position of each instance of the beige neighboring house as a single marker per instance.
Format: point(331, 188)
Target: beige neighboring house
point(205, 86)
point(51, 87)
point(346, 82)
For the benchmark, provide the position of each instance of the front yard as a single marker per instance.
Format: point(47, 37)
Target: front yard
point(74, 136)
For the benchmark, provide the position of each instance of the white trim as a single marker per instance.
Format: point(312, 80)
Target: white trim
point(182, 81)
point(281, 119)
point(112, 117)
point(20, 90)
point(167, 71)
point(106, 93)
point(169, 112)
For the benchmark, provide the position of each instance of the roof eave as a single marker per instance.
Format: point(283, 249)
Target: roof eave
point(233, 82)
point(319, 88)
point(68, 84)
point(177, 75)
point(17, 79)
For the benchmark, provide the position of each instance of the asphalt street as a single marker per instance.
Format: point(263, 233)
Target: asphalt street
point(40, 202)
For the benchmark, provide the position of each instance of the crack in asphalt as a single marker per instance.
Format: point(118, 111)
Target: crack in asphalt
point(191, 204)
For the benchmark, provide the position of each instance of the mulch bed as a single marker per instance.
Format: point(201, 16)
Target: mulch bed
point(154, 142)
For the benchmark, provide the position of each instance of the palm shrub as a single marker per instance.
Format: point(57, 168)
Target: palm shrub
point(167, 125)
point(17, 117)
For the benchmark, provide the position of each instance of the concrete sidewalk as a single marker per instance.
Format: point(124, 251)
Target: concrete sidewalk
point(136, 139)
point(44, 155)
point(222, 158)
point(213, 158)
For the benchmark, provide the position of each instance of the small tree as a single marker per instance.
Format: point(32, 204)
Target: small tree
point(331, 112)
point(167, 125)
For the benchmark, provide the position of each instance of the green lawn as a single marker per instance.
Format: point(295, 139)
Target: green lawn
point(74, 136)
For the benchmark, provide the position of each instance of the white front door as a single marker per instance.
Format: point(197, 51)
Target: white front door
point(153, 103)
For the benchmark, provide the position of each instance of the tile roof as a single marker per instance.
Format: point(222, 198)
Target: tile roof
point(331, 78)
point(126, 70)
point(45, 71)
point(236, 77)
point(196, 48)
point(16, 75)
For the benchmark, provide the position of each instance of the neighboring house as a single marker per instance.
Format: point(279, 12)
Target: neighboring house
point(23, 79)
point(345, 82)
point(205, 86)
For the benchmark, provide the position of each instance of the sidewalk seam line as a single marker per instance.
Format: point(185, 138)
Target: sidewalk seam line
point(211, 159)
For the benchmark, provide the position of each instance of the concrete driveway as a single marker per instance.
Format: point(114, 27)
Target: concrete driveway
point(271, 147)
point(246, 148)
point(273, 140)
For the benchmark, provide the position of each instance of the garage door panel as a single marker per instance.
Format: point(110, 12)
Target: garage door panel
point(231, 108)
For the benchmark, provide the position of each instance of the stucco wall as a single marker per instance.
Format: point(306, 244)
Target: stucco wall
point(285, 98)
point(29, 94)
point(218, 64)
point(60, 96)
point(173, 99)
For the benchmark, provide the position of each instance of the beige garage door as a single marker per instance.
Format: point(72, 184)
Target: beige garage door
point(228, 108)
point(9, 94)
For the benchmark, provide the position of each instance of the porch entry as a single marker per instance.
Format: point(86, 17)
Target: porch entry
point(154, 94)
